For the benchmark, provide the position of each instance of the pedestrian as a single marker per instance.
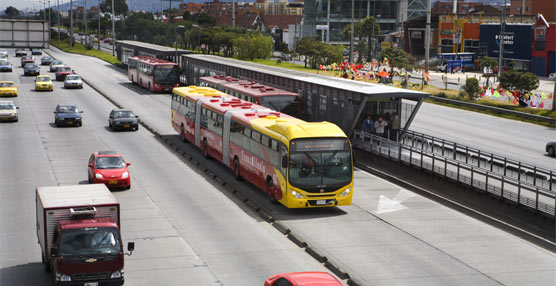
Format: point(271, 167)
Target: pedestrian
point(388, 124)
point(379, 126)
point(395, 127)
point(368, 124)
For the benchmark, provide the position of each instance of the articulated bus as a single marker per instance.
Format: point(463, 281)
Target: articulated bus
point(297, 163)
point(155, 74)
point(276, 99)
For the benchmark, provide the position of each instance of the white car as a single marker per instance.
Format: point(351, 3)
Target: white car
point(8, 111)
point(3, 53)
point(73, 81)
point(552, 76)
point(55, 65)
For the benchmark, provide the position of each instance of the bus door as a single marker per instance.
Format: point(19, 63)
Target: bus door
point(198, 106)
point(226, 138)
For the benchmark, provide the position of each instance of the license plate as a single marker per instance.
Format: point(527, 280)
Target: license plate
point(91, 284)
point(4, 118)
point(321, 202)
point(112, 182)
point(126, 125)
point(69, 122)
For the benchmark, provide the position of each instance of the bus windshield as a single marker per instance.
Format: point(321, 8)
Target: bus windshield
point(169, 74)
point(90, 241)
point(281, 103)
point(319, 163)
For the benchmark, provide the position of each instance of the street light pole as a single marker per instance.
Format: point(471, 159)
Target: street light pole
point(352, 28)
point(113, 28)
point(58, 16)
point(86, 23)
point(501, 39)
point(181, 29)
point(71, 24)
point(428, 36)
point(98, 36)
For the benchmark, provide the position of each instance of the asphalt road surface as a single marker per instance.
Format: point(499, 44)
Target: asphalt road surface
point(389, 236)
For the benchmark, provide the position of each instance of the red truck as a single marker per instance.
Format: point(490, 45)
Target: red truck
point(78, 228)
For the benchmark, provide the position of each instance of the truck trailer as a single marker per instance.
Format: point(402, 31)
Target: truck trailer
point(78, 229)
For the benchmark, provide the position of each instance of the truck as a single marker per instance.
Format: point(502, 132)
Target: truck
point(452, 60)
point(78, 229)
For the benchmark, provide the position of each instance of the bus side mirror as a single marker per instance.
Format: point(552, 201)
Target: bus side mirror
point(54, 252)
point(284, 161)
point(130, 247)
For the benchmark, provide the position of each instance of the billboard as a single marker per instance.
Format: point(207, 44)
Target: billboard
point(517, 40)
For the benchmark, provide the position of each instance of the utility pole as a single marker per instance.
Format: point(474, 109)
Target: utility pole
point(427, 39)
point(58, 16)
point(352, 28)
point(233, 13)
point(71, 24)
point(44, 9)
point(373, 41)
point(49, 19)
point(501, 39)
point(113, 28)
point(86, 23)
point(98, 36)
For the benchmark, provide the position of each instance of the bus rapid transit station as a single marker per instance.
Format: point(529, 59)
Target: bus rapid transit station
point(340, 101)
point(297, 163)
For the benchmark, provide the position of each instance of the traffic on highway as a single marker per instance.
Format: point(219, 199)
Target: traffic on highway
point(188, 193)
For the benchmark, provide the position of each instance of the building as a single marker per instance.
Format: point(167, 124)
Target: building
point(447, 7)
point(543, 57)
point(414, 36)
point(533, 7)
point(192, 7)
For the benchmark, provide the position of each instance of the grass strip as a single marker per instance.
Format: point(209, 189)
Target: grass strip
point(79, 48)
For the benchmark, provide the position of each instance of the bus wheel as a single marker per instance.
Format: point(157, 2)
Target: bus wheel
point(237, 173)
point(183, 139)
point(270, 190)
point(205, 149)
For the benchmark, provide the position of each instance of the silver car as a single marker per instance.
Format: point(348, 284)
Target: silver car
point(73, 81)
point(55, 64)
point(8, 111)
point(3, 53)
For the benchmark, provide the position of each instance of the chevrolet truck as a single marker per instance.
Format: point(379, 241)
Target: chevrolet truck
point(78, 229)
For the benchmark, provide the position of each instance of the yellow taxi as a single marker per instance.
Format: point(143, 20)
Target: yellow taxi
point(8, 88)
point(43, 82)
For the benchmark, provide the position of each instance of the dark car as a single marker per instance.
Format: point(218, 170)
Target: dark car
point(27, 60)
point(46, 61)
point(20, 52)
point(5, 65)
point(123, 119)
point(31, 69)
point(551, 148)
point(62, 72)
point(68, 115)
point(36, 52)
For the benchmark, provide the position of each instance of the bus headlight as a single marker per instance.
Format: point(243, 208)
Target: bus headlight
point(345, 192)
point(296, 194)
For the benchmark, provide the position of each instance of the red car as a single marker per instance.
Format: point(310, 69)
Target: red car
point(62, 72)
point(303, 279)
point(109, 168)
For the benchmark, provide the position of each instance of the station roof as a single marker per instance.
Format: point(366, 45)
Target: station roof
point(152, 47)
point(368, 89)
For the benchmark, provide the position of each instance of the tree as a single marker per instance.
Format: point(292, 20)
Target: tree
point(12, 12)
point(397, 57)
point(488, 62)
point(471, 87)
point(119, 5)
point(307, 47)
point(522, 82)
point(253, 46)
point(363, 29)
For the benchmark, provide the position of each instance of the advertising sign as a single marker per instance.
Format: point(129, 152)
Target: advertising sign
point(517, 40)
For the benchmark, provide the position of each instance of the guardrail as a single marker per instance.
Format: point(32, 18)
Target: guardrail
point(507, 188)
point(526, 173)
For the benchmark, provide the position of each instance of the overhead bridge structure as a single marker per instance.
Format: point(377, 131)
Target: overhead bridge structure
point(23, 33)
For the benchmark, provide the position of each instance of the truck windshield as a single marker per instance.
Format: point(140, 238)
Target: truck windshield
point(320, 163)
point(90, 241)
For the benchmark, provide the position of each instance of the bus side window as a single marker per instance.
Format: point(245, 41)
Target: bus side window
point(204, 118)
point(236, 133)
point(255, 143)
point(246, 144)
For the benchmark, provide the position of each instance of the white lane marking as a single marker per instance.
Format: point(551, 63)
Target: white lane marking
point(386, 205)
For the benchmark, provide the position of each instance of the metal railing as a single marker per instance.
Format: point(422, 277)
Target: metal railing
point(478, 178)
point(523, 172)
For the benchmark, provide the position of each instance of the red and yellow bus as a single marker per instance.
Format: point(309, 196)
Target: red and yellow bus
point(274, 98)
point(155, 74)
point(297, 163)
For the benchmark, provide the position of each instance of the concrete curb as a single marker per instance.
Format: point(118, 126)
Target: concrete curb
point(336, 270)
point(316, 254)
point(281, 228)
point(297, 240)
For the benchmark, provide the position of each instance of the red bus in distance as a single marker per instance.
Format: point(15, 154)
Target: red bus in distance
point(154, 74)
point(276, 99)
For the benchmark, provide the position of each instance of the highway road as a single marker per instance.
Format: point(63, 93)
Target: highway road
point(187, 231)
point(389, 236)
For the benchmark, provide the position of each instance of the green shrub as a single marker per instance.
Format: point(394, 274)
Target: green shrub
point(471, 88)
